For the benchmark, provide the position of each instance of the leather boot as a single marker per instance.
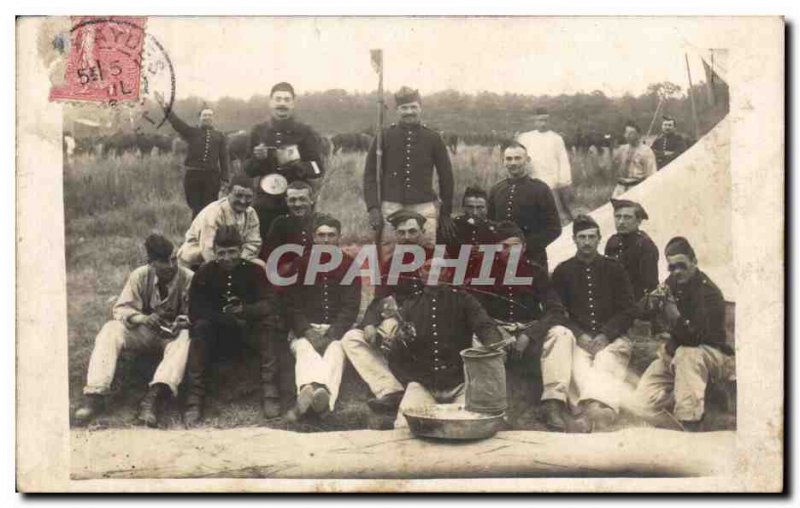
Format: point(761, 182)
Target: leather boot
point(150, 408)
point(553, 414)
point(387, 404)
point(193, 414)
point(600, 416)
point(92, 406)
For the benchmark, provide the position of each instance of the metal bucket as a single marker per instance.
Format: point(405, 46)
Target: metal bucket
point(485, 380)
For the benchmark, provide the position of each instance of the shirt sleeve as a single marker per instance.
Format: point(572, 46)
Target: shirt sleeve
point(207, 229)
point(252, 236)
point(310, 153)
point(490, 211)
point(648, 268)
point(560, 286)
point(131, 300)
point(201, 302)
point(183, 306)
point(479, 321)
point(252, 166)
point(444, 169)
point(371, 191)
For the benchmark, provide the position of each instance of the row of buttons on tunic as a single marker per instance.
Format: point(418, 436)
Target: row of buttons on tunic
point(208, 140)
point(510, 202)
point(591, 296)
point(435, 336)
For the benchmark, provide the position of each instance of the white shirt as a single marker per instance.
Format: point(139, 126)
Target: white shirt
point(548, 157)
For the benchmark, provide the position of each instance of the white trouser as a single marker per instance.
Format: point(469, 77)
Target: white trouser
point(679, 383)
point(311, 367)
point(427, 210)
point(370, 364)
point(418, 396)
point(115, 336)
point(571, 374)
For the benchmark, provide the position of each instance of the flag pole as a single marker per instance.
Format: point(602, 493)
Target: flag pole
point(377, 64)
point(691, 98)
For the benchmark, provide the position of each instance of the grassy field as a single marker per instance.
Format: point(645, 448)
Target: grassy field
point(112, 204)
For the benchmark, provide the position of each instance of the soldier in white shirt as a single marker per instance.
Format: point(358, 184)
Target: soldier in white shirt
point(549, 159)
point(633, 162)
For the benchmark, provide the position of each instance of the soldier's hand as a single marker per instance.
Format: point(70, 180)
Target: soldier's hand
point(260, 151)
point(152, 320)
point(671, 311)
point(370, 334)
point(375, 218)
point(584, 342)
point(446, 230)
point(519, 347)
point(182, 322)
point(599, 343)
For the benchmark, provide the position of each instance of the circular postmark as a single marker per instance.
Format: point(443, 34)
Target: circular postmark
point(115, 62)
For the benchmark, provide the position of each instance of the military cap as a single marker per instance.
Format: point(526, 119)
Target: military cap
point(583, 222)
point(401, 216)
point(508, 229)
point(406, 95)
point(679, 245)
point(627, 203)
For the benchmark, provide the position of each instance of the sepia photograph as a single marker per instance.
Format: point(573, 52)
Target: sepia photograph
point(401, 254)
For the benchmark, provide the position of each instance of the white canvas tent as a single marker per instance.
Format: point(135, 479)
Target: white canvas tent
point(690, 197)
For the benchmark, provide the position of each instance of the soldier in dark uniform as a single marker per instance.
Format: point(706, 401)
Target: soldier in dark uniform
point(593, 354)
point(321, 310)
point(526, 201)
point(696, 352)
point(283, 150)
point(410, 152)
point(525, 311)
point(633, 248)
point(206, 164)
point(424, 368)
point(472, 228)
point(231, 303)
point(295, 227)
point(670, 144)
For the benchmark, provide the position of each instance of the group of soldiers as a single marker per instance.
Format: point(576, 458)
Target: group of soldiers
point(215, 291)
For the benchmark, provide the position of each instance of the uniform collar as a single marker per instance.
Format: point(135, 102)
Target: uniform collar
point(282, 123)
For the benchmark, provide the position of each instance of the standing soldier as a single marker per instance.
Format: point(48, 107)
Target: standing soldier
point(549, 158)
point(592, 352)
point(633, 248)
point(410, 152)
point(633, 162)
point(206, 163)
point(669, 145)
point(282, 150)
point(527, 202)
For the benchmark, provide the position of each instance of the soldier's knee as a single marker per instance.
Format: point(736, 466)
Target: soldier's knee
point(687, 355)
point(110, 332)
point(559, 334)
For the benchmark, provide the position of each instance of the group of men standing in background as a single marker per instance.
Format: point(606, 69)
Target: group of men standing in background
point(213, 291)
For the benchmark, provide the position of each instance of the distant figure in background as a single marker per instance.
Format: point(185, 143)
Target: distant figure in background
point(670, 144)
point(633, 248)
point(695, 352)
point(411, 151)
point(150, 313)
point(527, 202)
point(633, 161)
point(282, 150)
point(232, 210)
point(206, 165)
point(549, 159)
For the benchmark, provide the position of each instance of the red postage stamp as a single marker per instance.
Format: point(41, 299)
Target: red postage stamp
point(105, 60)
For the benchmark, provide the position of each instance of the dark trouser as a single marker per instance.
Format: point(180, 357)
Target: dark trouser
point(201, 188)
point(208, 336)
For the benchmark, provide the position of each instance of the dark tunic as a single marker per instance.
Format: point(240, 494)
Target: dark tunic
point(207, 147)
point(639, 256)
point(327, 301)
point(279, 133)
point(517, 303)
point(702, 309)
point(212, 287)
point(597, 296)
point(529, 203)
point(472, 232)
point(445, 320)
point(409, 155)
point(289, 229)
point(672, 142)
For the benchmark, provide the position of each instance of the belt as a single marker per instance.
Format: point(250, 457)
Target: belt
point(192, 168)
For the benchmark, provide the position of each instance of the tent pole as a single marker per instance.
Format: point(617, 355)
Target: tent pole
point(691, 99)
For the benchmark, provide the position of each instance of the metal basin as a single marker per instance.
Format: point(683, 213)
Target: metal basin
point(452, 421)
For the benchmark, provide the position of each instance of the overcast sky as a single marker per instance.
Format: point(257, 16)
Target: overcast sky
point(240, 57)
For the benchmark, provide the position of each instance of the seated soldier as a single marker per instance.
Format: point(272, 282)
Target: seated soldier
point(472, 227)
point(419, 363)
point(233, 210)
point(526, 312)
point(231, 302)
point(633, 248)
point(695, 352)
point(294, 227)
point(150, 314)
point(591, 354)
point(321, 310)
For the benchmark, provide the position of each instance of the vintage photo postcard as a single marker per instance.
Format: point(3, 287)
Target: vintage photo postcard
point(400, 254)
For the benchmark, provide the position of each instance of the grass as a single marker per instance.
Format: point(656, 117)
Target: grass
point(112, 204)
